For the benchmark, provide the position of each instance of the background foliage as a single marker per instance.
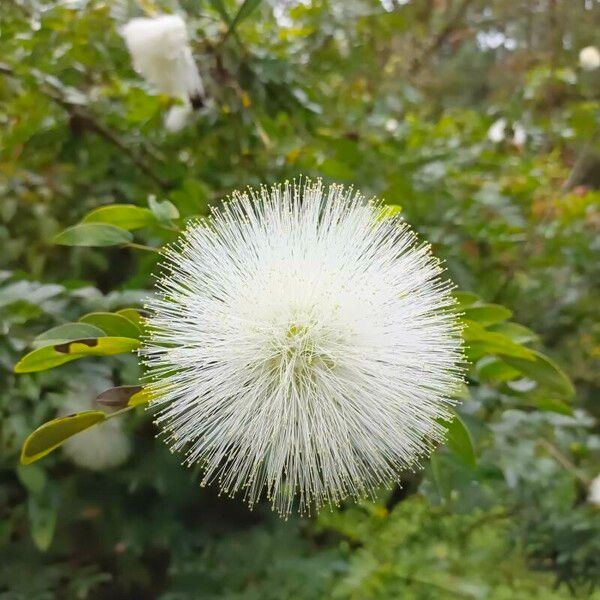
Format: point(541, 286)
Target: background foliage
point(396, 97)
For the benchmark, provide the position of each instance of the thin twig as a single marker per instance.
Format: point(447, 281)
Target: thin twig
point(563, 461)
point(440, 38)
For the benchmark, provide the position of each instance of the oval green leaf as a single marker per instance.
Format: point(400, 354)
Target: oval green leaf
point(487, 314)
point(52, 434)
point(42, 512)
point(125, 216)
point(112, 324)
point(466, 298)
point(67, 333)
point(458, 440)
point(544, 371)
point(49, 357)
point(93, 234)
point(491, 368)
point(516, 332)
point(480, 341)
point(133, 315)
point(164, 211)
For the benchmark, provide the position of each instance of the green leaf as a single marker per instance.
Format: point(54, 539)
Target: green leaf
point(142, 397)
point(441, 480)
point(67, 333)
point(544, 371)
point(480, 341)
point(49, 357)
point(487, 314)
point(516, 332)
point(164, 211)
point(553, 405)
point(132, 315)
point(112, 324)
point(93, 234)
point(125, 216)
point(220, 8)
point(491, 368)
point(246, 9)
point(52, 434)
point(458, 440)
point(33, 477)
point(466, 298)
point(42, 512)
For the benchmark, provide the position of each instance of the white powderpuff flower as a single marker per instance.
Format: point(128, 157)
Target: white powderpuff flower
point(501, 130)
point(496, 133)
point(161, 53)
point(519, 134)
point(594, 492)
point(391, 125)
point(101, 447)
point(302, 346)
point(589, 58)
point(177, 117)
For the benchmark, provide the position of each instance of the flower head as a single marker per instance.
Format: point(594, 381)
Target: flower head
point(594, 491)
point(302, 346)
point(589, 58)
point(161, 53)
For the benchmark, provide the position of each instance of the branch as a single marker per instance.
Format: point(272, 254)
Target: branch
point(439, 40)
point(90, 122)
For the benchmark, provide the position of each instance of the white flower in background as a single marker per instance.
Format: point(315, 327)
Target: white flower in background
point(301, 345)
point(594, 492)
point(519, 135)
point(496, 133)
point(502, 130)
point(161, 53)
point(391, 125)
point(589, 58)
point(103, 446)
point(177, 117)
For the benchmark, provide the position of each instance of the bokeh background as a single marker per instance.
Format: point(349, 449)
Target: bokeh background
point(476, 117)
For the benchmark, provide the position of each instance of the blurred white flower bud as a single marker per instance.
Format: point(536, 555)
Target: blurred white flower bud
point(589, 58)
point(496, 133)
point(501, 130)
point(594, 492)
point(391, 125)
point(160, 52)
point(103, 446)
point(177, 117)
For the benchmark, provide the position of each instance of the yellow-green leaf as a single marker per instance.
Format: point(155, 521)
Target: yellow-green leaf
point(120, 396)
point(49, 357)
point(125, 216)
point(67, 333)
point(52, 434)
point(112, 324)
point(142, 397)
point(93, 234)
point(133, 315)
